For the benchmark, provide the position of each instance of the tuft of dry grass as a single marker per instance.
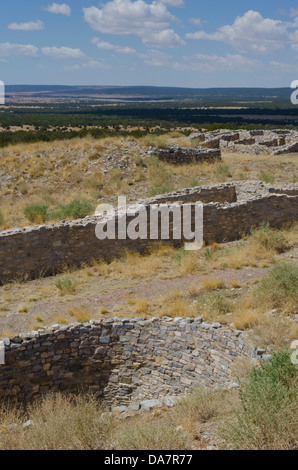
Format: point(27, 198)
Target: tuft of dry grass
point(176, 304)
point(274, 330)
point(200, 405)
point(245, 318)
point(235, 284)
point(152, 433)
point(188, 263)
point(140, 305)
point(212, 284)
point(81, 315)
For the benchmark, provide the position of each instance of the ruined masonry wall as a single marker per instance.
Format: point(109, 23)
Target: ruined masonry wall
point(122, 361)
point(182, 156)
point(47, 249)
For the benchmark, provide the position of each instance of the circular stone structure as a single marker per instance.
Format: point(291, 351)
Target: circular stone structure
point(121, 360)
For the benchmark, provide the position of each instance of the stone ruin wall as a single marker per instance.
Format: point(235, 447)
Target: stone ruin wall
point(122, 361)
point(48, 249)
point(275, 142)
point(186, 156)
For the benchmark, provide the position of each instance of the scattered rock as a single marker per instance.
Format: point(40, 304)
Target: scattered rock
point(149, 404)
point(28, 424)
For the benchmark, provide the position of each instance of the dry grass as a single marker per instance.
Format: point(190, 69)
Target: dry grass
point(200, 406)
point(212, 284)
point(34, 171)
point(189, 264)
point(164, 141)
point(136, 266)
point(152, 433)
point(177, 304)
point(243, 255)
point(140, 305)
point(235, 167)
point(178, 428)
point(59, 423)
point(81, 315)
point(274, 330)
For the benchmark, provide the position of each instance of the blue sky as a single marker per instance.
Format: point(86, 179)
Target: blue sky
point(186, 43)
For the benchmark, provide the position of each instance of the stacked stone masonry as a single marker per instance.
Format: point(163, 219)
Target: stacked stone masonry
point(122, 361)
point(180, 155)
point(237, 207)
point(275, 142)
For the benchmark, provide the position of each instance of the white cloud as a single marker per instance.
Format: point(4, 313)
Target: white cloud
point(59, 9)
point(95, 64)
point(173, 3)
point(62, 52)
point(148, 21)
point(70, 68)
point(212, 63)
point(294, 12)
point(250, 33)
point(7, 49)
point(155, 58)
point(29, 26)
point(128, 17)
point(166, 38)
point(91, 64)
point(107, 46)
point(281, 66)
point(195, 21)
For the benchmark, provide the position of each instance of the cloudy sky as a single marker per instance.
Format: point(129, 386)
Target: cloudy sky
point(189, 43)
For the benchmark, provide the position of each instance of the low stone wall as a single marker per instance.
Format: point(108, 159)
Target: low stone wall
point(47, 249)
point(185, 156)
point(230, 221)
point(218, 193)
point(275, 142)
point(122, 361)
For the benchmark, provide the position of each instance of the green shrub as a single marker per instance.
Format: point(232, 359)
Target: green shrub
point(208, 253)
point(267, 177)
point(279, 288)
point(164, 189)
point(193, 182)
point(214, 304)
point(267, 418)
point(75, 210)
point(36, 213)
point(1, 218)
point(223, 171)
point(66, 285)
point(270, 239)
point(158, 175)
